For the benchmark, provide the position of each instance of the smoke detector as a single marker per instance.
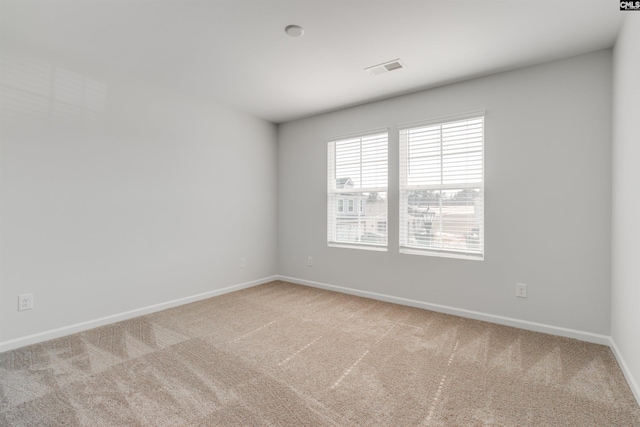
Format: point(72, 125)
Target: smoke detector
point(385, 67)
point(294, 30)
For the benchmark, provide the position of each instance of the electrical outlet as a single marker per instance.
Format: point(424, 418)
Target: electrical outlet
point(521, 290)
point(243, 262)
point(310, 261)
point(25, 302)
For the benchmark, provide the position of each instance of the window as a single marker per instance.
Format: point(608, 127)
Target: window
point(340, 205)
point(357, 171)
point(442, 188)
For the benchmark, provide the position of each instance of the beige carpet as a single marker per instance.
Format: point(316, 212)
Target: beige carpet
point(283, 354)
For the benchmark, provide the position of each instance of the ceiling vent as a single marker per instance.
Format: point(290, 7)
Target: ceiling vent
point(396, 64)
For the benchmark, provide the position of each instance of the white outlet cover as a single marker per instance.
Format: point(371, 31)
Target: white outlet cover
point(25, 302)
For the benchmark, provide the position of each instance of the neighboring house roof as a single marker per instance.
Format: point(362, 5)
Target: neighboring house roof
point(344, 183)
point(420, 211)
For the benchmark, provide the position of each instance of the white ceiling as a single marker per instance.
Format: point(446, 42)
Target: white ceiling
point(236, 52)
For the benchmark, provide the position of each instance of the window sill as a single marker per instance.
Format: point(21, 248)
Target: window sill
point(441, 254)
point(358, 246)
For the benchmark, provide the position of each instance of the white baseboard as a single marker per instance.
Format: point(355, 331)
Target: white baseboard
point(492, 318)
point(83, 326)
point(633, 384)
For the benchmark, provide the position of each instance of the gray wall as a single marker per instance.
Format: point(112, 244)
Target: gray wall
point(118, 194)
point(547, 186)
point(625, 304)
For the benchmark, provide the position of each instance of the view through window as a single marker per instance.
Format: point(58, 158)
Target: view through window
point(357, 191)
point(442, 188)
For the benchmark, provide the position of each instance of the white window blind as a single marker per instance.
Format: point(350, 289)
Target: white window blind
point(357, 191)
point(442, 188)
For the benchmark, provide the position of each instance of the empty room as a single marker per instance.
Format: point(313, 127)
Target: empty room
point(319, 212)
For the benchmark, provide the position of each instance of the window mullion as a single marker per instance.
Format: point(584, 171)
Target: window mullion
point(441, 183)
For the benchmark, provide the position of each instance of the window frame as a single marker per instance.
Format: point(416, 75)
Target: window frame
point(379, 139)
point(405, 247)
